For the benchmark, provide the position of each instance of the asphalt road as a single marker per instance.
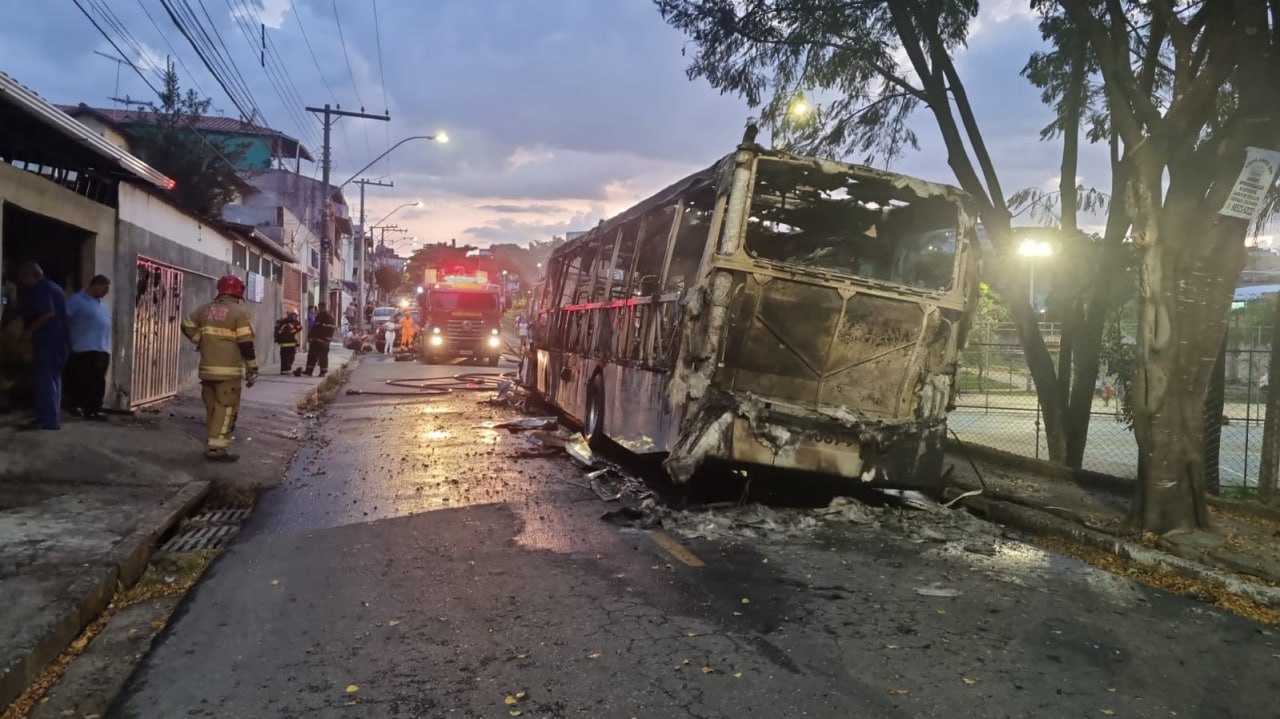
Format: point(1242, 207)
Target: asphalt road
point(408, 566)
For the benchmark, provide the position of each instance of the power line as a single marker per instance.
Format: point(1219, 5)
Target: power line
point(227, 60)
point(209, 65)
point(123, 55)
point(382, 77)
point(346, 141)
point(354, 85)
point(125, 36)
point(346, 55)
point(172, 49)
point(241, 18)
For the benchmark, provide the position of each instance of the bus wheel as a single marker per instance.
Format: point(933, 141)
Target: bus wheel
point(493, 360)
point(593, 424)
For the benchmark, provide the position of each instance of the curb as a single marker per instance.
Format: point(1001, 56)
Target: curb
point(1039, 522)
point(139, 546)
point(1090, 479)
point(97, 587)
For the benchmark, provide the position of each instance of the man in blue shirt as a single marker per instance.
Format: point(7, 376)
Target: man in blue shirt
point(44, 310)
point(90, 326)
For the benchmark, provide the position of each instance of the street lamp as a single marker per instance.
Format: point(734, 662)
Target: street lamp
point(324, 207)
point(415, 203)
point(1032, 250)
point(438, 137)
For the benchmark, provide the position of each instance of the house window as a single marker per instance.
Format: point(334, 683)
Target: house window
point(277, 272)
point(255, 262)
point(239, 255)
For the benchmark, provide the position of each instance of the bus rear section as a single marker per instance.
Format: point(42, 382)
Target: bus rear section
point(460, 319)
point(771, 310)
point(834, 305)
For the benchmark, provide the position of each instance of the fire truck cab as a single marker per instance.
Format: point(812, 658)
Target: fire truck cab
point(460, 316)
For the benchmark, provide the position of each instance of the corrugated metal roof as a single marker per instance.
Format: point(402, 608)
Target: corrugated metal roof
point(28, 101)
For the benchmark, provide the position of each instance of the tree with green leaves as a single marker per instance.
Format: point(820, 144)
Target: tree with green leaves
point(1177, 89)
point(203, 169)
point(388, 278)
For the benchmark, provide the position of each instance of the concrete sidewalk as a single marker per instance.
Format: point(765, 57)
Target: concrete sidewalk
point(81, 509)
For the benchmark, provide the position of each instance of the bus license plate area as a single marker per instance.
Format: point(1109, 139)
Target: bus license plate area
point(834, 451)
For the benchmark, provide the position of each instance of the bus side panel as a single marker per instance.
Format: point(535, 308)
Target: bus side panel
point(569, 375)
point(638, 414)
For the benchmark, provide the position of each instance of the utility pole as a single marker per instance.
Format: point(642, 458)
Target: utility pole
point(363, 280)
point(331, 113)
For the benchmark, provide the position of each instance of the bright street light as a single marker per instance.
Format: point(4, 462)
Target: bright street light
point(1034, 248)
point(438, 137)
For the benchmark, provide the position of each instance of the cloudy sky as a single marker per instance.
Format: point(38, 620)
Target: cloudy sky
point(559, 112)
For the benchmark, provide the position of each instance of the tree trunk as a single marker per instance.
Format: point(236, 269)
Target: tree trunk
point(1271, 425)
point(1187, 278)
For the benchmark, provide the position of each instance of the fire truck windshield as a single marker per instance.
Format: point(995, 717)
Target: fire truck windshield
point(464, 301)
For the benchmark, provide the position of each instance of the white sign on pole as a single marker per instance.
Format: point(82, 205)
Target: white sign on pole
point(1251, 187)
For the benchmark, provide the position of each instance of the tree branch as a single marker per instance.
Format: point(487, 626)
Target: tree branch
point(1124, 116)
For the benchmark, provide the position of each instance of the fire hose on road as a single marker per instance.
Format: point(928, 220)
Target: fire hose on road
point(438, 386)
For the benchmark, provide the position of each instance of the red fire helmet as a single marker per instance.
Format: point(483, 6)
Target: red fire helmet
point(231, 285)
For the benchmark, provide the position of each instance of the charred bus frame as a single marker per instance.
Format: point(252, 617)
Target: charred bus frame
point(770, 310)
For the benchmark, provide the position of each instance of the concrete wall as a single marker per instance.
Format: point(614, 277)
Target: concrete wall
point(108, 133)
point(39, 195)
point(164, 234)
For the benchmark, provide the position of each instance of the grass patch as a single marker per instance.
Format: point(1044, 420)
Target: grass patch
point(970, 381)
point(325, 391)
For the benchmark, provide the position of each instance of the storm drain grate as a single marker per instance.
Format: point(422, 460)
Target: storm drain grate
point(210, 529)
point(220, 516)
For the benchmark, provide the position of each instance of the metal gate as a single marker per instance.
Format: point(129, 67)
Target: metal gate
point(157, 332)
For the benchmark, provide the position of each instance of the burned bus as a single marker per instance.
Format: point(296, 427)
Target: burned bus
point(772, 310)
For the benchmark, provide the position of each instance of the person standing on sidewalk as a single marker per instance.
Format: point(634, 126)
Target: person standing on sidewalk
point(223, 333)
point(90, 326)
point(288, 330)
point(44, 308)
point(318, 341)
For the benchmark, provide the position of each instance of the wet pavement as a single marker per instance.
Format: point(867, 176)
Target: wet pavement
point(408, 566)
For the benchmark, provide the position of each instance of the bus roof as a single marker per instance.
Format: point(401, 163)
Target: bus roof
point(667, 195)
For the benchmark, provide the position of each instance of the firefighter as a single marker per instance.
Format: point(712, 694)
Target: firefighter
point(318, 340)
point(223, 334)
point(406, 331)
point(288, 330)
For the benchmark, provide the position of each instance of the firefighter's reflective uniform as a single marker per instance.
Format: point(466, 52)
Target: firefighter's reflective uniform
point(223, 335)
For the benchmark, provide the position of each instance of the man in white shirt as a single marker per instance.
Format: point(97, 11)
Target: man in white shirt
point(85, 378)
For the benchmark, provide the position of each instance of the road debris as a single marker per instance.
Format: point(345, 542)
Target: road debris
point(576, 446)
point(937, 590)
point(528, 423)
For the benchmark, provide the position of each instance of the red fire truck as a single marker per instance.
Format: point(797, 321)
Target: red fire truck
point(460, 315)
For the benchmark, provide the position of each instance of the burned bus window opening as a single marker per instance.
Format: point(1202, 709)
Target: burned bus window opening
point(838, 223)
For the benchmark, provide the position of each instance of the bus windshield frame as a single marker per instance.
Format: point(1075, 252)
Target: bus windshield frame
point(841, 222)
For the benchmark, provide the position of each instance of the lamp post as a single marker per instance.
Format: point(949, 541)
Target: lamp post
point(324, 265)
point(1033, 249)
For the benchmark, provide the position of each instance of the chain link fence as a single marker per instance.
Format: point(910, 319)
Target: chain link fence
point(996, 406)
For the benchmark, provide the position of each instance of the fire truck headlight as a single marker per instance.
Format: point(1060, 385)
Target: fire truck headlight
point(494, 342)
point(436, 340)
point(435, 330)
point(493, 331)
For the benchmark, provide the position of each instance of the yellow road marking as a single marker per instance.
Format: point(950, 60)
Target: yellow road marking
point(676, 549)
